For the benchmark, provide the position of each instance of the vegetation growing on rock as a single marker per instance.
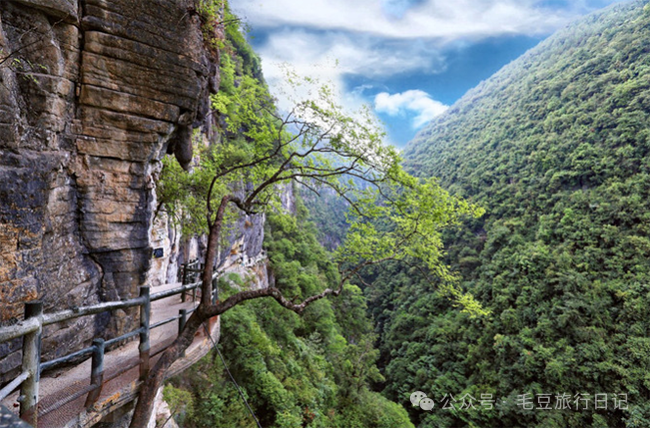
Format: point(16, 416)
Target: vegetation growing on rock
point(312, 370)
point(315, 145)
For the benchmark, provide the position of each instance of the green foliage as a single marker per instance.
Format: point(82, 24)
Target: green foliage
point(259, 149)
point(329, 212)
point(248, 123)
point(555, 147)
point(224, 33)
point(180, 402)
point(313, 370)
point(296, 371)
point(25, 68)
point(181, 204)
point(408, 227)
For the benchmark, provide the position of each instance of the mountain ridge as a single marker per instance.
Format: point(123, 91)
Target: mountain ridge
point(556, 148)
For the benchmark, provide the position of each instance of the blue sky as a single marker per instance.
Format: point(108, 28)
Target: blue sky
point(408, 59)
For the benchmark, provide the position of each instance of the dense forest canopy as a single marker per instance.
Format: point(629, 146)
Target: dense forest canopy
point(312, 370)
point(555, 148)
point(316, 370)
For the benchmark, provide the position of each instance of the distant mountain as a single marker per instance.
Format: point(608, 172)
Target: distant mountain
point(556, 147)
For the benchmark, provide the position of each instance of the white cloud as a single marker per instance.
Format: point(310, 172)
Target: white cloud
point(396, 8)
point(439, 19)
point(416, 101)
point(361, 55)
point(377, 39)
point(328, 58)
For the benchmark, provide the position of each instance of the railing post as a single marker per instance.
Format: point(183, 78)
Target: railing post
point(97, 372)
point(195, 277)
point(184, 281)
point(194, 289)
point(215, 290)
point(32, 364)
point(181, 323)
point(145, 312)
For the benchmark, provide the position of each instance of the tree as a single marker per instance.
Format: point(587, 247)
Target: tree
point(315, 145)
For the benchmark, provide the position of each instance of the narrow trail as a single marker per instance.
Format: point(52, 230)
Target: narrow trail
point(121, 371)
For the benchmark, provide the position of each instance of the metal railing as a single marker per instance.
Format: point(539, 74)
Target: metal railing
point(31, 328)
point(190, 272)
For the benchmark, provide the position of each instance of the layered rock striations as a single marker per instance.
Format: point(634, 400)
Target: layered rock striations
point(92, 94)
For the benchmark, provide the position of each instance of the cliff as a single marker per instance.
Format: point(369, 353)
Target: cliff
point(92, 94)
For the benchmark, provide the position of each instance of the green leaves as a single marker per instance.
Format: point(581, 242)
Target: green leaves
point(403, 221)
point(555, 148)
point(312, 370)
point(315, 370)
point(318, 146)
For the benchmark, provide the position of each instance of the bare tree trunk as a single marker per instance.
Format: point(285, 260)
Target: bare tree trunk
point(207, 310)
point(154, 381)
point(149, 388)
point(211, 254)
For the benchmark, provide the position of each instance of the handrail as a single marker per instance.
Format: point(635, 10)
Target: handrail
point(124, 336)
point(178, 290)
point(66, 358)
point(14, 384)
point(31, 331)
point(20, 329)
point(163, 322)
point(69, 314)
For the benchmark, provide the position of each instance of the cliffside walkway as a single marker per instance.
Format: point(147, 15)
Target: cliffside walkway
point(83, 394)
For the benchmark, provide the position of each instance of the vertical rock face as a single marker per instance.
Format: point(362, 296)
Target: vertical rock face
point(143, 71)
point(92, 94)
point(41, 255)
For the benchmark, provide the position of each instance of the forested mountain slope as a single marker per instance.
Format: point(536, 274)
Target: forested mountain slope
point(310, 370)
point(555, 147)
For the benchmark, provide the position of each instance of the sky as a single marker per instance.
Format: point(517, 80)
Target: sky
point(409, 60)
